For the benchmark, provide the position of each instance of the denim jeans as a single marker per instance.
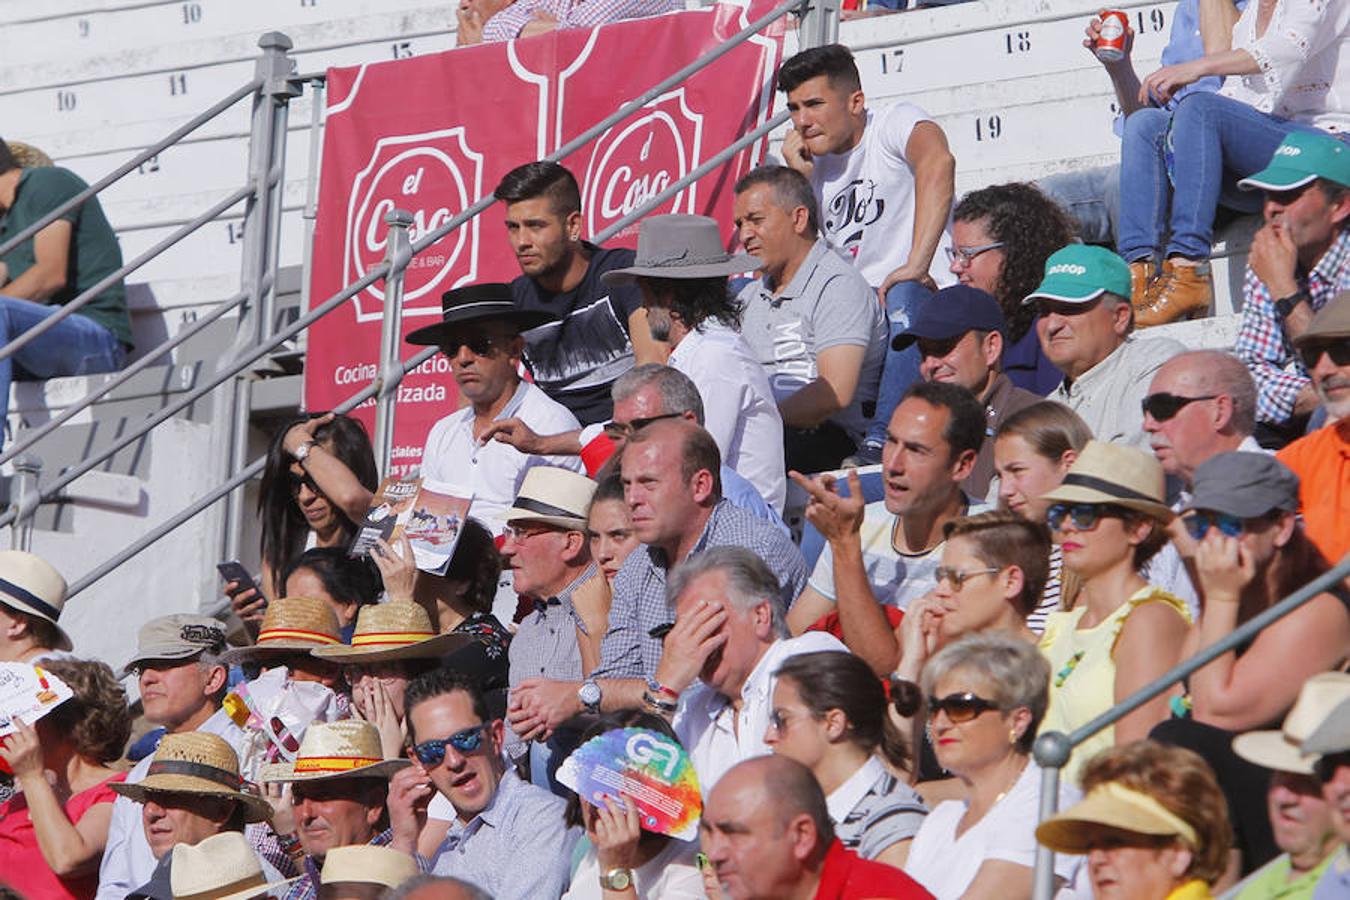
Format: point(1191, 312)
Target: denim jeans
point(1216, 142)
point(1092, 197)
point(74, 346)
point(901, 368)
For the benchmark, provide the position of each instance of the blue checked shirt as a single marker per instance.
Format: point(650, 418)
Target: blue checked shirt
point(639, 604)
point(1262, 343)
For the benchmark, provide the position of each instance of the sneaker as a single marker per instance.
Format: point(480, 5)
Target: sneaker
point(1179, 292)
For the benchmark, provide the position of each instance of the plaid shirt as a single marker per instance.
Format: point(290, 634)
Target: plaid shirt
point(639, 604)
point(506, 25)
point(1262, 343)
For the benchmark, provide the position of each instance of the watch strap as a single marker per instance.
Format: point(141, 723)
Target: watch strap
point(1285, 305)
point(616, 879)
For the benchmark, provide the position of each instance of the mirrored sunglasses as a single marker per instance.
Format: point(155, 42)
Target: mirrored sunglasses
point(1199, 523)
point(1084, 516)
point(431, 753)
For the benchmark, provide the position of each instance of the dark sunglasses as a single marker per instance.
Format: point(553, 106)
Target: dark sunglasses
point(1339, 351)
point(478, 344)
point(306, 480)
point(1084, 516)
point(961, 707)
point(431, 753)
point(1163, 406)
point(618, 431)
point(1199, 523)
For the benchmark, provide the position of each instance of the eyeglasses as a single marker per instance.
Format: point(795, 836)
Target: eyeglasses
point(778, 721)
point(958, 577)
point(967, 254)
point(1200, 522)
point(1163, 406)
point(960, 707)
point(516, 533)
point(1084, 516)
point(1339, 351)
point(622, 431)
point(431, 753)
point(478, 344)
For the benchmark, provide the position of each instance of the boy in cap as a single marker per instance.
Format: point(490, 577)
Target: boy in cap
point(1298, 261)
point(1322, 459)
point(1085, 324)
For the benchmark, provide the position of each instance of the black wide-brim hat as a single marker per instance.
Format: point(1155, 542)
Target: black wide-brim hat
point(475, 303)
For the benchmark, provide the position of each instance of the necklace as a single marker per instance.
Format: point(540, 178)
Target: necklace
point(1011, 784)
point(1063, 674)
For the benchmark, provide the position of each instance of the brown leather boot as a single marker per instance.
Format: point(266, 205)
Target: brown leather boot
point(1142, 274)
point(1179, 292)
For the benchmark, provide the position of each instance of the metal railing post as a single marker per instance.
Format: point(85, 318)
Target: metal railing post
point(25, 500)
point(262, 234)
point(1051, 752)
point(397, 252)
point(820, 24)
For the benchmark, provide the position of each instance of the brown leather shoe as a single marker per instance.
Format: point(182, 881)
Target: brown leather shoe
point(1179, 292)
point(1142, 274)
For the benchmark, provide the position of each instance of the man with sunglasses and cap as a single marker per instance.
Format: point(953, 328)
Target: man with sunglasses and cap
point(509, 837)
point(480, 333)
point(1331, 741)
point(681, 269)
point(1322, 459)
point(1085, 327)
point(182, 680)
point(1298, 261)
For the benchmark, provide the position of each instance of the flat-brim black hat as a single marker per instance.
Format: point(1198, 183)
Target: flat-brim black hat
point(475, 303)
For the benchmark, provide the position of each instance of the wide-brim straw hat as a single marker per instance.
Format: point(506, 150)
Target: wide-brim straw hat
point(1283, 750)
point(221, 867)
point(366, 864)
point(348, 748)
point(681, 246)
point(1116, 807)
point(290, 624)
point(1116, 474)
point(1332, 734)
point(553, 496)
point(198, 763)
point(32, 586)
point(386, 632)
point(474, 303)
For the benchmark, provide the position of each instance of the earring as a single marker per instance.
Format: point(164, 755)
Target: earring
point(1012, 735)
point(928, 732)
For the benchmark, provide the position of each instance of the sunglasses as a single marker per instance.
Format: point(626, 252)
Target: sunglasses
point(1163, 406)
point(1084, 516)
point(961, 707)
point(299, 481)
point(1339, 351)
point(478, 344)
point(967, 254)
point(431, 753)
point(1200, 522)
point(958, 577)
point(623, 431)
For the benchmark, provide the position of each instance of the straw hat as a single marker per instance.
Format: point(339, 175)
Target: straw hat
point(1115, 806)
point(1112, 473)
point(290, 624)
point(348, 748)
point(221, 867)
point(366, 864)
point(1283, 750)
point(391, 631)
point(30, 585)
point(197, 763)
point(553, 496)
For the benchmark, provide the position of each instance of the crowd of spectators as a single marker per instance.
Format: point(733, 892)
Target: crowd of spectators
point(1043, 511)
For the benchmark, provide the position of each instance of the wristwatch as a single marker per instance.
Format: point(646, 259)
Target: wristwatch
point(589, 695)
point(1285, 305)
point(616, 879)
point(303, 450)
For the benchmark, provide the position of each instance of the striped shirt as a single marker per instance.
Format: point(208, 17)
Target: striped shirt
point(873, 810)
point(1054, 585)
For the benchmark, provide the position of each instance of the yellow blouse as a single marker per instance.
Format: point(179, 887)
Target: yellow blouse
point(1191, 890)
point(1083, 670)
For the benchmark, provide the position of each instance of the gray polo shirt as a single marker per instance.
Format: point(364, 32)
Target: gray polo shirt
point(826, 304)
point(1108, 395)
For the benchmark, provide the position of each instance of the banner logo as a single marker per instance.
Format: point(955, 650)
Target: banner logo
point(434, 176)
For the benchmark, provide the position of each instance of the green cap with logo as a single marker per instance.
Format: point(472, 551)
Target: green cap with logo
point(1302, 157)
point(1080, 273)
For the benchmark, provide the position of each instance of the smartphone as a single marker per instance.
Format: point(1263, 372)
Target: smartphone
point(233, 570)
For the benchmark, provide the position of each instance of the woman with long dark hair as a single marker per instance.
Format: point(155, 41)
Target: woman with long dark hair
point(829, 714)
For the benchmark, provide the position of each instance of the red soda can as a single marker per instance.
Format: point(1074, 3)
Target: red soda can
point(1111, 44)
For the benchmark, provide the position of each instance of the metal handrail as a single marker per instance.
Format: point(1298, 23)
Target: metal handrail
point(1052, 750)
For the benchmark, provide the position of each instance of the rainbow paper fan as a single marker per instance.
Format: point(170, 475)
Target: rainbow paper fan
point(645, 765)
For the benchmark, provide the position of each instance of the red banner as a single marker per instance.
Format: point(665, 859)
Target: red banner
point(433, 134)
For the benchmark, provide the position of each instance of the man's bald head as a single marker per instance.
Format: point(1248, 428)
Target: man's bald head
point(790, 790)
point(694, 446)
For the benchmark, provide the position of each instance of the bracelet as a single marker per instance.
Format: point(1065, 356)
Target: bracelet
point(659, 705)
point(657, 687)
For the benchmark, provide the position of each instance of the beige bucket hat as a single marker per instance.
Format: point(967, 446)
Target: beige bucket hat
point(290, 624)
point(1111, 473)
point(365, 864)
point(348, 748)
point(553, 496)
point(1283, 750)
point(386, 632)
point(197, 763)
point(221, 867)
point(32, 586)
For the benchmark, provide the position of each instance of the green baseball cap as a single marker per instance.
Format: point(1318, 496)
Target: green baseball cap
point(1080, 273)
point(1302, 157)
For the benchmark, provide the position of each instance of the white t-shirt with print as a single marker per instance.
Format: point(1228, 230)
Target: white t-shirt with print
point(867, 197)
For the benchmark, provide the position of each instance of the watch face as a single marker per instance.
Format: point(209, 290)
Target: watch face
point(589, 693)
point(618, 879)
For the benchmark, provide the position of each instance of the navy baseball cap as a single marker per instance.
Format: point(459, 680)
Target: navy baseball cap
point(951, 312)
